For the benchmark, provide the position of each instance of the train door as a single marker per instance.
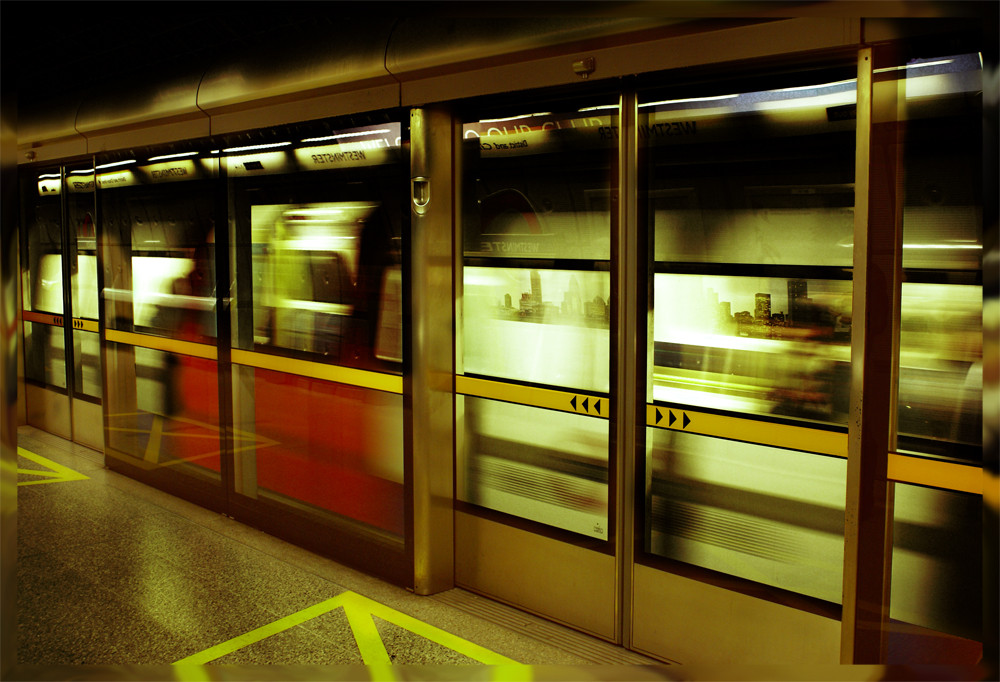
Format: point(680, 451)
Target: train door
point(536, 523)
point(158, 242)
point(318, 349)
point(62, 347)
point(654, 361)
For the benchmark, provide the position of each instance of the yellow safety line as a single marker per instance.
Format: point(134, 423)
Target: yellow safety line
point(391, 383)
point(57, 472)
point(359, 611)
point(551, 399)
point(937, 474)
point(198, 350)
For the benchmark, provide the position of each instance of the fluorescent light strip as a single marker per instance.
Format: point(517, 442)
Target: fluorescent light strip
point(340, 135)
point(83, 172)
point(602, 107)
point(940, 62)
point(50, 176)
point(802, 88)
point(112, 165)
point(514, 118)
point(689, 99)
point(255, 146)
point(172, 156)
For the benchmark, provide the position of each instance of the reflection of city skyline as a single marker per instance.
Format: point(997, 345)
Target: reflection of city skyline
point(574, 308)
point(766, 319)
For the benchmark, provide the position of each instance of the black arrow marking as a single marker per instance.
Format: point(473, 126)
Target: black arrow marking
point(573, 402)
point(597, 406)
point(673, 418)
point(586, 404)
point(659, 415)
point(686, 421)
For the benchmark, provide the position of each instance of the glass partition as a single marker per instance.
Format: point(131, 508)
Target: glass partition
point(317, 322)
point(941, 363)
point(750, 207)
point(159, 219)
point(535, 317)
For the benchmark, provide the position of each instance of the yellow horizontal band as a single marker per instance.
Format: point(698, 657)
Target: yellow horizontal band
point(748, 430)
point(42, 318)
point(198, 350)
point(564, 401)
point(391, 383)
point(936, 474)
point(86, 325)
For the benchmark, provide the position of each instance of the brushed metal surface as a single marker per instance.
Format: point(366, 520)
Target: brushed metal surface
point(692, 622)
point(551, 578)
point(88, 424)
point(48, 410)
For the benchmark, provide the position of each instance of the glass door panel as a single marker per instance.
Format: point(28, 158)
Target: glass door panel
point(937, 559)
point(534, 361)
point(749, 200)
point(317, 334)
point(162, 408)
point(46, 380)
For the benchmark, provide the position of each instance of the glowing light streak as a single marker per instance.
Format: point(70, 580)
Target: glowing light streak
point(179, 155)
point(380, 131)
point(253, 147)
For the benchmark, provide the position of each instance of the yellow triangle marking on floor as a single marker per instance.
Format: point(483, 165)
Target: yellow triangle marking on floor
point(359, 611)
point(53, 473)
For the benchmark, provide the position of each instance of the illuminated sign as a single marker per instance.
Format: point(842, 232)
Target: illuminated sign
point(170, 171)
point(122, 178)
point(47, 186)
point(263, 163)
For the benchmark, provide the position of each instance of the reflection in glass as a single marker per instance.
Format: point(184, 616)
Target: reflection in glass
point(753, 344)
point(538, 186)
point(329, 446)
point(44, 354)
point(768, 515)
point(937, 560)
point(941, 364)
point(541, 326)
point(163, 409)
point(542, 465)
point(87, 361)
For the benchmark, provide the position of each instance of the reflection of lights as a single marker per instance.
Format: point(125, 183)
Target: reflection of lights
point(939, 62)
point(689, 99)
point(514, 118)
point(310, 212)
point(54, 176)
point(341, 135)
point(256, 146)
point(83, 172)
point(832, 99)
point(599, 108)
point(172, 156)
point(802, 88)
point(970, 246)
point(111, 165)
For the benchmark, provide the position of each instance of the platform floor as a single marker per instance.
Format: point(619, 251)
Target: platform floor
point(111, 572)
point(117, 580)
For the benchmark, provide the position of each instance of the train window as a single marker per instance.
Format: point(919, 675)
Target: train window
point(318, 281)
point(941, 368)
point(319, 248)
point(749, 197)
point(536, 311)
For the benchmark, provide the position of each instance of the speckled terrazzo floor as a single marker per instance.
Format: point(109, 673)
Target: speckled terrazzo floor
point(111, 572)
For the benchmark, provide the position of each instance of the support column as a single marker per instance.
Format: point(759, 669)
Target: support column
point(874, 342)
point(431, 380)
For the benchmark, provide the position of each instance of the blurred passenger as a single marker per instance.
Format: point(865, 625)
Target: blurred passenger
point(814, 386)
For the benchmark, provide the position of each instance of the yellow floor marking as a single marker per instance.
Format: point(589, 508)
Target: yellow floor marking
point(54, 473)
point(359, 611)
point(155, 436)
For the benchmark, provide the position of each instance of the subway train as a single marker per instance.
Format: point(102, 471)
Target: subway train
point(537, 309)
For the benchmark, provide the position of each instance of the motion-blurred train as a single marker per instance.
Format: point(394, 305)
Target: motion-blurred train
point(281, 254)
